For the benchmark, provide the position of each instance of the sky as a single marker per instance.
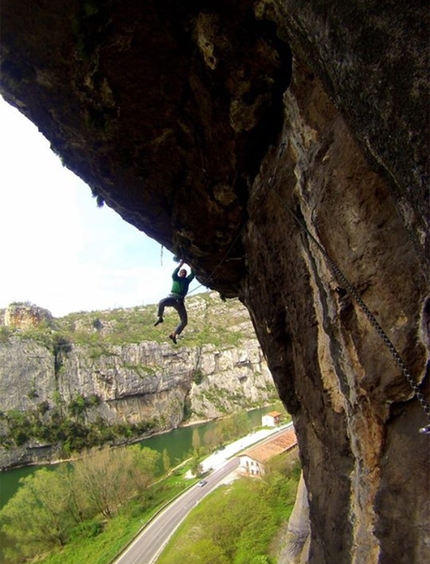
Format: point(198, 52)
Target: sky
point(58, 250)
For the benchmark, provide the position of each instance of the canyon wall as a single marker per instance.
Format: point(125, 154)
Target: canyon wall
point(132, 383)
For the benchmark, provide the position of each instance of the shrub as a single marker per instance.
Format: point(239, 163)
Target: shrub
point(198, 376)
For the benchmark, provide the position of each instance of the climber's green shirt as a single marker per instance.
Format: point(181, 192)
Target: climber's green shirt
point(180, 285)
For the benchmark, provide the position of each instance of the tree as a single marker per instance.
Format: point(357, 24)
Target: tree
point(241, 423)
point(109, 477)
point(143, 467)
point(235, 426)
point(37, 516)
point(166, 461)
point(196, 442)
point(212, 439)
point(229, 428)
point(195, 467)
point(98, 477)
point(77, 506)
point(77, 406)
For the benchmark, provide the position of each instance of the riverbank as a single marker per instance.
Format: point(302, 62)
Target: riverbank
point(270, 406)
point(39, 455)
point(122, 532)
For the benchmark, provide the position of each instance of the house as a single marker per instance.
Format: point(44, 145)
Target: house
point(271, 419)
point(252, 461)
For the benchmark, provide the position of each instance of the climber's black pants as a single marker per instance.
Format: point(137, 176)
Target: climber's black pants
point(179, 305)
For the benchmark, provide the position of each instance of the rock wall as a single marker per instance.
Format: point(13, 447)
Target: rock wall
point(133, 383)
point(352, 406)
point(148, 381)
point(25, 316)
point(281, 148)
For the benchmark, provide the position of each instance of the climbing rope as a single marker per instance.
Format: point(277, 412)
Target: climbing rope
point(354, 293)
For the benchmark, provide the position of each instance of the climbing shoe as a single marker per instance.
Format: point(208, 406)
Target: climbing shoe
point(173, 339)
point(159, 320)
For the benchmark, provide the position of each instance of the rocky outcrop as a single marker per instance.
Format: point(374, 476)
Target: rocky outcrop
point(33, 453)
point(297, 540)
point(281, 148)
point(25, 316)
point(333, 225)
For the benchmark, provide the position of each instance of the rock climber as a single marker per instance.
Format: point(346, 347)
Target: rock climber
point(176, 299)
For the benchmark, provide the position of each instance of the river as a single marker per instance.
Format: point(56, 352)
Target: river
point(178, 443)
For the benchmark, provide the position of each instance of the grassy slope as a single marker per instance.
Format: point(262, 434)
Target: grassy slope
point(211, 321)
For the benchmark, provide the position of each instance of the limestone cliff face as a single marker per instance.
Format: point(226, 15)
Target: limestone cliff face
point(133, 382)
point(350, 400)
point(282, 149)
point(24, 316)
point(137, 382)
point(147, 381)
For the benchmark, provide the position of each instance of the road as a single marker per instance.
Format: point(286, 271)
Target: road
point(149, 543)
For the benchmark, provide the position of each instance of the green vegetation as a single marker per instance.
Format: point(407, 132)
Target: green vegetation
point(223, 399)
point(4, 334)
point(198, 376)
point(65, 426)
point(104, 334)
point(212, 322)
point(74, 503)
point(100, 545)
point(222, 432)
point(88, 510)
point(237, 523)
point(225, 431)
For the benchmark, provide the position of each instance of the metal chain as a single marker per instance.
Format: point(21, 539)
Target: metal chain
point(353, 291)
point(399, 361)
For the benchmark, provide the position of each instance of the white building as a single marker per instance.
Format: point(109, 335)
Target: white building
point(271, 419)
point(252, 461)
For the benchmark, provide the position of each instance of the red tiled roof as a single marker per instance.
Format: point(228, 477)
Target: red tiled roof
point(274, 414)
point(277, 445)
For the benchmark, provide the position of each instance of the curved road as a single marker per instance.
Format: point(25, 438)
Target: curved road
point(148, 545)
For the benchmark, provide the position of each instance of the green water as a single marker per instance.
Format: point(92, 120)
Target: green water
point(178, 443)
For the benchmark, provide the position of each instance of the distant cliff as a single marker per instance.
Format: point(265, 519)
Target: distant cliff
point(91, 377)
